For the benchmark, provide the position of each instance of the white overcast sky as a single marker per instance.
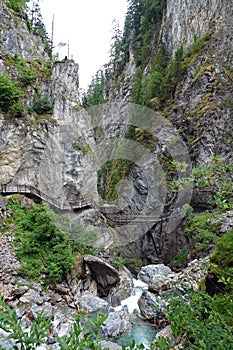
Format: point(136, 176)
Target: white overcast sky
point(87, 25)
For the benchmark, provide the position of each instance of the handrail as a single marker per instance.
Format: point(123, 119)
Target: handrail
point(133, 219)
point(74, 204)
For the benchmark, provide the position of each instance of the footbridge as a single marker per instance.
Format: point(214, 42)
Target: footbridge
point(80, 203)
point(139, 219)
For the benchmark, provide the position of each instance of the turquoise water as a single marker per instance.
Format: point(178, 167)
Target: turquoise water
point(140, 333)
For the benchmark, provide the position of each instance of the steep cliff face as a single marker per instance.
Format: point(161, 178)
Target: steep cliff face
point(197, 39)
point(199, 104)
point(40, 150)
point(16, 38)
point(201, 108)
point(50, 155)
point(185, 19)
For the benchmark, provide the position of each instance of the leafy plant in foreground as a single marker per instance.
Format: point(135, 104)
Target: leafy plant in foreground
point(83, 337)
point(205, 321)
point(10, 323)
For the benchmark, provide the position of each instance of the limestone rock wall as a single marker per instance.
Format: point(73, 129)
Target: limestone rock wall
point(42, 153)
point(188, 18)
point(51, 155)
point(202, 108)
point(64, 87)
point(16, 37)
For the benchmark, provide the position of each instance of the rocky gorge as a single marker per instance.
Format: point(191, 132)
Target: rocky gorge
point(138, 172)
point(62, 302)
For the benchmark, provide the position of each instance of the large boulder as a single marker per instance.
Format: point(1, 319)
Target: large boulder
point(150, 305)
point(31, 297)
point(91, 303)
point(117, 323)
point(102, 272)
point(148, 273)
point(159, 283)
point(122, 290)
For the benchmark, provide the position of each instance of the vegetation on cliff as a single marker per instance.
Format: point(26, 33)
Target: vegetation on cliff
point(21, 78)
point(142, 20)
point(46, 244)
point(19, 6)
point(9, 97)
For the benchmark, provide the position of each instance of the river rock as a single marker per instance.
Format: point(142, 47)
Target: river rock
point(90, 302)
point(148, 272)
point(102, 272)
point(123, 290)
point(159, 283)
point(166, 332)
point(109, 345)
point(150, 305)
point(117, 323)
point(31, 297)
point(2, 203)
point(61, 288)
point(53, 297)
point(46, 309)
point(17, 291)
point(8, 344)
point(62, 316)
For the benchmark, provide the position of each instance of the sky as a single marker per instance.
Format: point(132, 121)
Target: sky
point(87, 26)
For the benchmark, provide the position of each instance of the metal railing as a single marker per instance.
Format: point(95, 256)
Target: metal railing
point(134, 219)
point(28, 189)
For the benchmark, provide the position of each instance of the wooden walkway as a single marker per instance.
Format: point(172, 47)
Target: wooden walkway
point(120, 219)
point(139, 219)
point(31, 190)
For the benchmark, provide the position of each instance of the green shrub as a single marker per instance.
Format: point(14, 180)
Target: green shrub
point(27, 73)
point(16, 110)
point(28, 76)
point(182, 257)
point(159, 85)
point(109, 176)
point(205, 235)
point(206, 322)
point(41, 104)
point(221, 261)
point(214, 176)
point(80, 337)
point(46, 243)
point(41, 247)
point(18, 6)
point(9, 93)
point(9, 322)
point(195, 48)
